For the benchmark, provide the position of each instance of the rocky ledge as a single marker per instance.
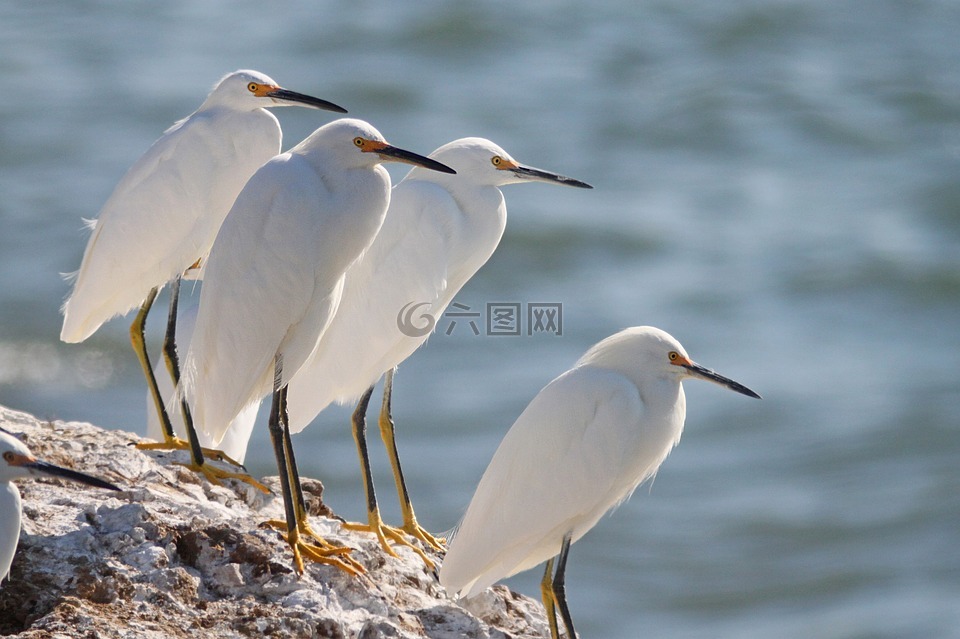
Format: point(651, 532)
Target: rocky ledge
point(174, 556)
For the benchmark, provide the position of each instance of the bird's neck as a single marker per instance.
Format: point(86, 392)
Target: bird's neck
point(9, 525)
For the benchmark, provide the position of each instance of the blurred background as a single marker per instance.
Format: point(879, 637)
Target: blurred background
point(776, 186)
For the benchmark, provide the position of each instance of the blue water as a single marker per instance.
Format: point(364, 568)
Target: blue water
point(777, 185)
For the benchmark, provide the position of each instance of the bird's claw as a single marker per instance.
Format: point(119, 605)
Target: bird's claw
point(385, 532)
point(176, 443)
point(414, 529)
point(216, 475)
point(322, 551)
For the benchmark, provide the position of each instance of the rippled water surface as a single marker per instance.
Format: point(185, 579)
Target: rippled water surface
point(776, 185)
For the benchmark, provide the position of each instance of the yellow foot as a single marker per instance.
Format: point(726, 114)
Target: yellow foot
point(216, 475)
point(384, 532)
point(179, 444)
point(413, 529)
point(322, 551)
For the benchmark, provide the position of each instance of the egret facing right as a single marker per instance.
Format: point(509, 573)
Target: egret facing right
point(274, 281)
point(580, 448)
point(163, 215)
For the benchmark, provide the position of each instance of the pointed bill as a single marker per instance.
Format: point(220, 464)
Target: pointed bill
point(39, 466)
point(702, 372)
point(529, 173)
point(285, 95)
point(395, 154)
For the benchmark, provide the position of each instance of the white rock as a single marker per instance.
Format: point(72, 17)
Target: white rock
point(174, 556)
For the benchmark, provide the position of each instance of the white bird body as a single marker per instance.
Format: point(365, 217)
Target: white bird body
point(439, 231)
point(16, 462)
point(275, 274)
point(165, 212)
point(580, 448)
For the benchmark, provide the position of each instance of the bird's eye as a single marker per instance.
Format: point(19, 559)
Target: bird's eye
point(358, 141)
point(8, 456)
point(252, 87)
point(673, 355)
point(496, 160)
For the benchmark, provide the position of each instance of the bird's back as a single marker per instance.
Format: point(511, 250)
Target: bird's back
point(164, 213)
point(571, 456)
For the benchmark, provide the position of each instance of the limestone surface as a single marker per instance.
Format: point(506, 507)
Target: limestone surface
point(174, 556)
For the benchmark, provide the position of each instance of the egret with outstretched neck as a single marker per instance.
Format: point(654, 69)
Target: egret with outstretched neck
point(580, 448)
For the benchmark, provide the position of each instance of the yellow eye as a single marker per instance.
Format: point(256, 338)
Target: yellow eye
point(9, 456)
point(252, 87)
point(673, 355)
point(497, 160)
point(359, 142)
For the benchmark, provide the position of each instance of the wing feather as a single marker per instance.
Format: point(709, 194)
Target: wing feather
point(564, 463)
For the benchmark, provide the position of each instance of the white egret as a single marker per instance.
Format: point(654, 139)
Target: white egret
point(273, 281)
point(580, 448)
point(16, 462)
point(164, 213)
point(439, 231)
point(234, 442)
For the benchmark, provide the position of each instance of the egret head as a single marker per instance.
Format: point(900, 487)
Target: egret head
point(486, 164)
point(16, 462)
point(247, 89)
point(647, 353)
point(355, 143)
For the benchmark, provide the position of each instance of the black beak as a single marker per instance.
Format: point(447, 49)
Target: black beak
point(47, 468)
point(409, 157)
point(308, 100)
point(530, 173)
point(705, 373)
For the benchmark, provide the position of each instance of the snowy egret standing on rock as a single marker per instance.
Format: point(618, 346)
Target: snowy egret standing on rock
point(439, 231)
point(16, 462)
point(273, 281)
point(163, 215)
point(580, 448)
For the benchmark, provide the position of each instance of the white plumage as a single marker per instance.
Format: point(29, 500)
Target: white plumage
point(274, 279)
point(581, 447)
point(164, 213)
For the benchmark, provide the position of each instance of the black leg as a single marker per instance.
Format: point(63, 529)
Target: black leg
point(278, 438)
point(292, 470)
point(359, 420)
point(172, 359)
point(559, 589)
point(140, 348)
